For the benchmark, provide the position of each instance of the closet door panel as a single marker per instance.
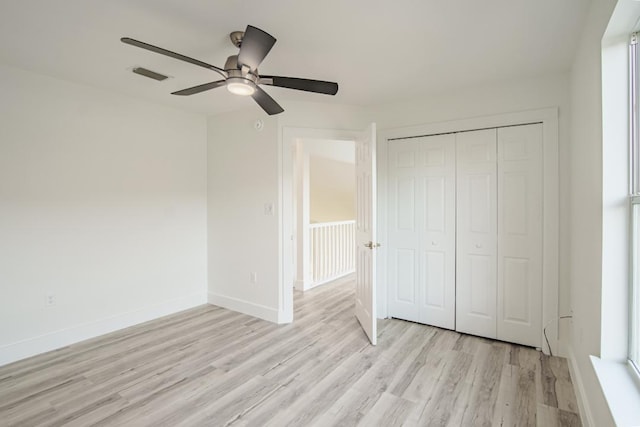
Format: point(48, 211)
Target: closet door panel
point(403, 251)
point(405, 204)
point(436, 260)
point(406, 292)
point(438, 246)
point(436, 279)
point(476, 214)
point(422, 228)
point(480, 295)
point(520, 195)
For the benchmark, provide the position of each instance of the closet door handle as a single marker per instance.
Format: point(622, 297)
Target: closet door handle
point(478, 245)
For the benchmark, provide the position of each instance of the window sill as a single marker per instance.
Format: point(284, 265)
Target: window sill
point(621, 390)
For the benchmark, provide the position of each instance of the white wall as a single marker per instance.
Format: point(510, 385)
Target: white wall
point(492, 99)
point(102, 204)
point(489, 99)
point(341, 151)
point(320, 115)
point(245, 173)
point(591, 310)
point(332, 186)
point(243, 239)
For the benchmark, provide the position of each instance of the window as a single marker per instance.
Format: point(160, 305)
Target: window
point(634, 181)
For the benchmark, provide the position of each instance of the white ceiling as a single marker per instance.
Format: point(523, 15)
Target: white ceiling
point(378, 51)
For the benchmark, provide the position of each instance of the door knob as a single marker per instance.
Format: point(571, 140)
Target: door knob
point(372, 245)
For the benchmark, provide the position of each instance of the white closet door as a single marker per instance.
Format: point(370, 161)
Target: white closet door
point(476, 215)
point(520, 234)
point(422, 230)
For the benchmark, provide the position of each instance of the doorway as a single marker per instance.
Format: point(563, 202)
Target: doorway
point(291, 137)
point(324, 206)
point(365, 244)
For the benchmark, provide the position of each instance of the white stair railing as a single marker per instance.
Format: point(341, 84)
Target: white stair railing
point(332, 251)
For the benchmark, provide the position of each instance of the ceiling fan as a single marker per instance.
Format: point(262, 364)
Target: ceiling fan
point(240, 72)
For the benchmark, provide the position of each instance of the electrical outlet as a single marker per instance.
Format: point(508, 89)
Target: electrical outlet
point(51, 299)
point(253, 277)
point(268, 209)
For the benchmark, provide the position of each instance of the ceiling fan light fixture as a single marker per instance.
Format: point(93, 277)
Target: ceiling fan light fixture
point(240, 86)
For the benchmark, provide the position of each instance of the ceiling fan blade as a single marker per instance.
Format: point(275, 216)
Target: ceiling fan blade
point(267, 103)
point(171, 54)
point(200, 88)
point(317, 86)
point(255, 45)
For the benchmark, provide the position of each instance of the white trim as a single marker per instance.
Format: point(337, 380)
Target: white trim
point(474, 123)
point(621, 390)
point(581, 395)
point(326, 224)
point(64, 337)
point(286, 222)
point(287, 138)
point(244, 307)
point(549, 119)
point(615, 209)
point(301, 236)
point(382, 156)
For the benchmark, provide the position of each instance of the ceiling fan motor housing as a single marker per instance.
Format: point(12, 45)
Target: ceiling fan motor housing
point(240, 80)
point(233, 69)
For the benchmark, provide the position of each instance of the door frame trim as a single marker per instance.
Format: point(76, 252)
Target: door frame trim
point(550, 238)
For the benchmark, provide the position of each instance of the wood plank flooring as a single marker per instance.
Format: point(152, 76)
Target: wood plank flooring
point(212, 367)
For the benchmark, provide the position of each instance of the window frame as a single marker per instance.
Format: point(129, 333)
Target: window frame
point(634, 288)
point(634, 204)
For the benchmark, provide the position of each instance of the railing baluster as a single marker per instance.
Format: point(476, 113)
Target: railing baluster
point(332, 250)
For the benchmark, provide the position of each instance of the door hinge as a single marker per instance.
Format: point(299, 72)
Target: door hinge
point(634, 39)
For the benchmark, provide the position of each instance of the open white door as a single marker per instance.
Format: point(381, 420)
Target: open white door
point(366, 232)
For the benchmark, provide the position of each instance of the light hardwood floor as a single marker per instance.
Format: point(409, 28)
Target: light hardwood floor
point(213, 367)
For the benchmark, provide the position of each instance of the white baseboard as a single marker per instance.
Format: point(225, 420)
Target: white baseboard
point(51, 341)
point(311, 285)
point(578, 385)
point(245, 307)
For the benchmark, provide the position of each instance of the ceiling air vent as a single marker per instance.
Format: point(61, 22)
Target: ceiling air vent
point(148, 73)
